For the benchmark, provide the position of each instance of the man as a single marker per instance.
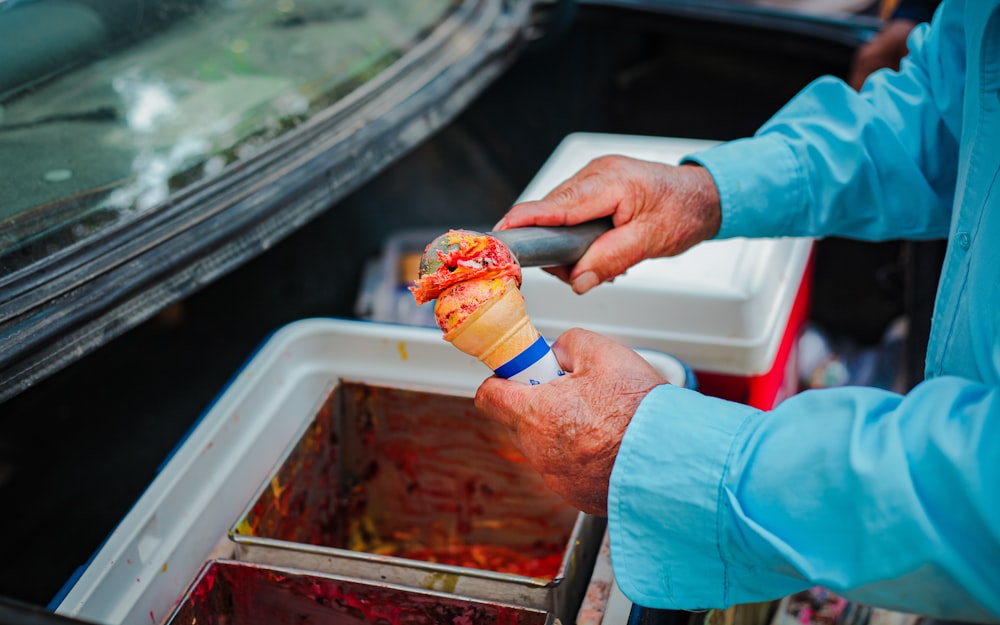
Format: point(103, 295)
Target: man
point(886, 499)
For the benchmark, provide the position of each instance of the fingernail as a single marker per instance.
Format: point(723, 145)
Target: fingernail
point(585, 281)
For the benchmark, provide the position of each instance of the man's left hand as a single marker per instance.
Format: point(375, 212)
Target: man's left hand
point(570, 429)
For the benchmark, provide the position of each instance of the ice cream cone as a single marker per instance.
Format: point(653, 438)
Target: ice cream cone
point(499, 329)
point(501, 335)
point(473, 279)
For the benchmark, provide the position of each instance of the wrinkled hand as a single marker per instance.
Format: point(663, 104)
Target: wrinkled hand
point(657, 210)
point(886, 49)
point(570, 429)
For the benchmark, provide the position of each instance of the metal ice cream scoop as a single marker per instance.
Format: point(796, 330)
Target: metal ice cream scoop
point(533, 246)
point(551, 246)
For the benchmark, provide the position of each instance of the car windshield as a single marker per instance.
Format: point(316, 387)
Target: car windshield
point(110, 108)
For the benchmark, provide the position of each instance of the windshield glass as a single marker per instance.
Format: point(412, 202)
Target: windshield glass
point(110, 107)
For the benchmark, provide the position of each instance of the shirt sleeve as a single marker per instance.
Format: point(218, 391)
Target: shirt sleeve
point(888, 500)
point(875, 165)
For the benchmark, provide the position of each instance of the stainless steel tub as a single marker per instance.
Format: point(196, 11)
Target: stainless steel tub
point(235, 593)
point(415, 487)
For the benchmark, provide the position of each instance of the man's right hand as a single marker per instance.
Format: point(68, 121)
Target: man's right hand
point(657, 210)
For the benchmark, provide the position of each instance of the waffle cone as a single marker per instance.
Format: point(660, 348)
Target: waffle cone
point(498, 331)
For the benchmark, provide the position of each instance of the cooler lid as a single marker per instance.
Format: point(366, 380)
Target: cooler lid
point(721, 306)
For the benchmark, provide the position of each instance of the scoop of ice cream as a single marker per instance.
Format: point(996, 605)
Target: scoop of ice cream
point(458, 302)
point(475, 281)
point(460, 256)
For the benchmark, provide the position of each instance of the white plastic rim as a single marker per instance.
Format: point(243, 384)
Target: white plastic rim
point(156, 551)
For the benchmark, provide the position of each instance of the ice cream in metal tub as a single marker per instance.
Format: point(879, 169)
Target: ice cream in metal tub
point(414, 487)
point(235, 593)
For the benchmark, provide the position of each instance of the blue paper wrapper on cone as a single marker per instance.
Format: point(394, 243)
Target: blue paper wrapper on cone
point(535, 365)
point(500, 334)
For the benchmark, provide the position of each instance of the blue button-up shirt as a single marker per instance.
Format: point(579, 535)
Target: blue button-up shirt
point(886, 499)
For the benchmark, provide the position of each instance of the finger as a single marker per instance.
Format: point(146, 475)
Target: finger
point(535, 213)
point(566, 209)
point(502, 401)
point(562, 272)
point(563, 350)
point(582, 352)
point(573, 348)
point(586, 196)
point(608, 257)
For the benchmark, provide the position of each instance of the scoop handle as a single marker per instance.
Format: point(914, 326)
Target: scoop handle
point(551, 246)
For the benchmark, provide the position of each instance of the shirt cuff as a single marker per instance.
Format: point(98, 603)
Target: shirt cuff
point(664, 499)
point(754, 176)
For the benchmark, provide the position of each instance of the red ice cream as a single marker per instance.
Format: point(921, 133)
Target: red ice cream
point(463, 269)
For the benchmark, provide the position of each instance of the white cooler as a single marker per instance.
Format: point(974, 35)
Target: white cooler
point(731, 309)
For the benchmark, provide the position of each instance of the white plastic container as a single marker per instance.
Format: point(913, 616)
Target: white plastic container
point(731, 309)
point(181, 521)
